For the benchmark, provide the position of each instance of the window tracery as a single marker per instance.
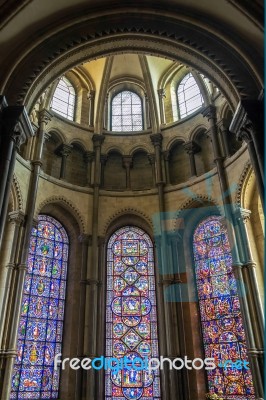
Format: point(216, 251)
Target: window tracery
point(127, 112)
point(63, 101)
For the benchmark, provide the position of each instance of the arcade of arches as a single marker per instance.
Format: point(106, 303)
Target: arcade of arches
point(131, 197)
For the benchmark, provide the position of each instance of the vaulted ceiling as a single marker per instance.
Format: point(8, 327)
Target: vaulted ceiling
point(40, 40)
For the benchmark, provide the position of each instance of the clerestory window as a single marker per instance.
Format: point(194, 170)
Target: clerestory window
point(189, 96)
point(126, 112)
point(63, 101)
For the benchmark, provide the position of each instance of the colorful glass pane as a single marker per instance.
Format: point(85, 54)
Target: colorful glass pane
point(131, 317)
point(41, 322)
point(222, 327)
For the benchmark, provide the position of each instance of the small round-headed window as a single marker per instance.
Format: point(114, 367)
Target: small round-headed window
point(63, 101)
point(127, 113)
point(189, 96)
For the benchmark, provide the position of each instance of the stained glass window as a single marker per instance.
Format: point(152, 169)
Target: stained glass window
point(63, 101)
point(131, 317)
point(189, 97)
point(222, 325)
point(42, 313)
point(126, 112)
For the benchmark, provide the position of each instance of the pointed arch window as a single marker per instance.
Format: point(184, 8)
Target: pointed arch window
point(42, 313)
point(189, 96)
point(131, 316)
point(221, 321)
point(127, 112)
point(63, 101)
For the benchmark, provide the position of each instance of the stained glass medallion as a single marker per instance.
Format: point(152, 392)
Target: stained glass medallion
point(41, 322)
point(222, 327)
point(131, 318)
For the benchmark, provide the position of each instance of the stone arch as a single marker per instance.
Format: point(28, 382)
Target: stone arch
point(196, 130)
point(173, 141)
point(58, 134)
point(242, 185)
point(16, 195)
point(80, 40)
point(141, 147)
point(113, 148)
point(126, 216)
point(79, 143)
point(62, 203)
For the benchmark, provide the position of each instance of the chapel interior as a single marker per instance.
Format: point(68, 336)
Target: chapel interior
point(131, 197)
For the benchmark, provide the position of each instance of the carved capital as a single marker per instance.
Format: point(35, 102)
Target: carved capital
point(44, 116)
point(245, 132)
point(98, 140)
point(191, 147)
point(63, 150)
point(127, 161)
point(85, 238)
point(161, 93)
point(156, 139)
point(16, 217)
point(209, 112)
point(243, 214)
point(91, 95)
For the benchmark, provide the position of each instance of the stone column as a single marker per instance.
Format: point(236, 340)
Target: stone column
point(81, 376)
point(147, 112)
point(156, 139)
point(127, 164)
point(248, 125)
point(106, 113)
point(63, 151)
point(243, 217)
point(151, 158)
point(245, 134)
point(166, 155)
point(16, 218)
point(103, 159)
point(91, 105)
point(192, 148)
point(161, 94)
point(100, 345)
point(88, 158)
point(162, 335)
point(210, 113)
point(224, 132)
point(90, 336)
point(15, 130)
point(44, 117)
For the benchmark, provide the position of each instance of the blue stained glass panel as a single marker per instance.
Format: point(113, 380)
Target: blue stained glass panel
point(131, 317)
point(41, 322)
point(222, 327)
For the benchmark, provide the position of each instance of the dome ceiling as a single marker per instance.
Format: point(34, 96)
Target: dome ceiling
point(59, 35)
point(126, 65)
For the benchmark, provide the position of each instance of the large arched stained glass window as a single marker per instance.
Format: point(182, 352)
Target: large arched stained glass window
point(131, 317)
point(41, 321)
point(126, 112)
point(222, 326)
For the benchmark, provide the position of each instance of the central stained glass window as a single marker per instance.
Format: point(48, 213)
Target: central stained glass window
point(131, 315)
point(41, 322)
point(222, 326)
